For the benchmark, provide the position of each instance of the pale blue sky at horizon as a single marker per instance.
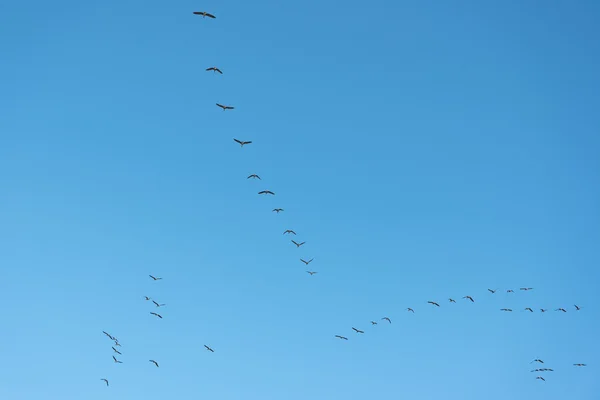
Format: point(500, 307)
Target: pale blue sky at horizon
point(423, 150)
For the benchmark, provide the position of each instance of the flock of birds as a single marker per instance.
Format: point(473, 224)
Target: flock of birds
point(306, 262)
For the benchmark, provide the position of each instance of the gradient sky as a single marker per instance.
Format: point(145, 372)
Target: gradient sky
point(422, 149)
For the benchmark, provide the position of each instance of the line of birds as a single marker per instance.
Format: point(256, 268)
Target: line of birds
point(541, 378)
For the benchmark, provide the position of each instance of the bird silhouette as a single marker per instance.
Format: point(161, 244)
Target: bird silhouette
point(526, 288)
point(312, 272)
point(411, 310)
point(470, 298)
point(289, 231)
point(116, 351)
point(298, 244)
point(434, 303)
point(387, 319)
point(266, 192)
point(341, 337)
point(580, 365)
point(561, 309)
point(105, 380)
point(158, 315)
point(543, 309)
point(540, 378)
point(505, 309)
point(209, 349)
point(158, 305)
point(155, 278)
point(154, 362)
point(577, 307)
point(452, 300)
point(117, 361)
point(510, 291)
point(492, 291)
point(204, 14)
point(357, 330)
point(147, 298)
point(109, 335)
point(254, 176)
point(225, 107)
point(215, 69)
point(373, 323)
point(307, 262)
point(537, 360)
point(242, 143)
point(528, 309)
point(117, 343)
point(277, 210)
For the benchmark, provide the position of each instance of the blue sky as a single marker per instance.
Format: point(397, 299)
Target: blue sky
point(423, 150)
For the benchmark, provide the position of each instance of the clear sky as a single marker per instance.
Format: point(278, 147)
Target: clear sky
point(422, 149)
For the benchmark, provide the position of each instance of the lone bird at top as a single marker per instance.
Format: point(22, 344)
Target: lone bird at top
point(357, 330)
point(215, 69)
point(204, 14)
point(470, 298)
point(434, 303)
point(224, 107)
point(209, 349)
point(254, 176)
point(277, 210)
point(154, 362)
point(241, 142)
point(298, 244)
point(266, 192)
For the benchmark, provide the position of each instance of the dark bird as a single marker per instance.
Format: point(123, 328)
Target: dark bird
point(434, 303)
point(204, 14)
point(411, 310)
point(452, 300)
point(254, 176)
point(277, 210)
point(147, 298)
point(105, 380)
point(539, 377)
point(307, 262)
point(117, 343)
point(510, 291)
point(547, 369)
point(158, 315)
point(577, 307)
point(109, 335)
point(470, 298)
point(158, 305)
point(117, 361)
point(373, 323)
point(154, 362)
point(225, 107)
point(543, 309)
point(537, 360)
point(341, 337)
point(492, 291)
point(209, 349)
point(298, 244)
point(505, 309)
point(289, 231)
point(526, 288)
point(580, 365)
point(215, 69)
point(312, 272)
point(116, 351)
point(387, 319)
point(155, 278)
point(357, 330)
point(528, 309)
point(561, 309)
point(242, 143)
point(266, 192)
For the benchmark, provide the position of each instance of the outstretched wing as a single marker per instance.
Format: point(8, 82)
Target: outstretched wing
point(237, 141)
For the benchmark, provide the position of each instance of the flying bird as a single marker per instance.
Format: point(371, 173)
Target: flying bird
point(105, 380)
point(537, 360)
point(147, 298)
point(312, 272)
point(109, 335)
point(158, 315)
point(579, 365)
point(154, 362)
point(528, 309)
point(505, 309)
point(357, 330)
point(225, 107)
point(577, 307)
point(254, 176)
point(373, 323)
point(492, 291)
point(470, 298)
point(116, 351)
point(411, 310)
point(155, 278)
point(209, 349)
point(341, 337)
point(547, 369)
point(289, 231)
point(543, 309)
point(215, 69)
point(298, 244)
point(204, 14)
point(117, 343)
point(510, 291)
point(526, 288)
point(452, 300)
point(387, 319)
point(541, 378)
point(307, 262)
point(561, 309)
point(242, 143)
point(277, 210)
point(117, 361)
point(158, 305)
point(434, 303)
point(266, 192)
